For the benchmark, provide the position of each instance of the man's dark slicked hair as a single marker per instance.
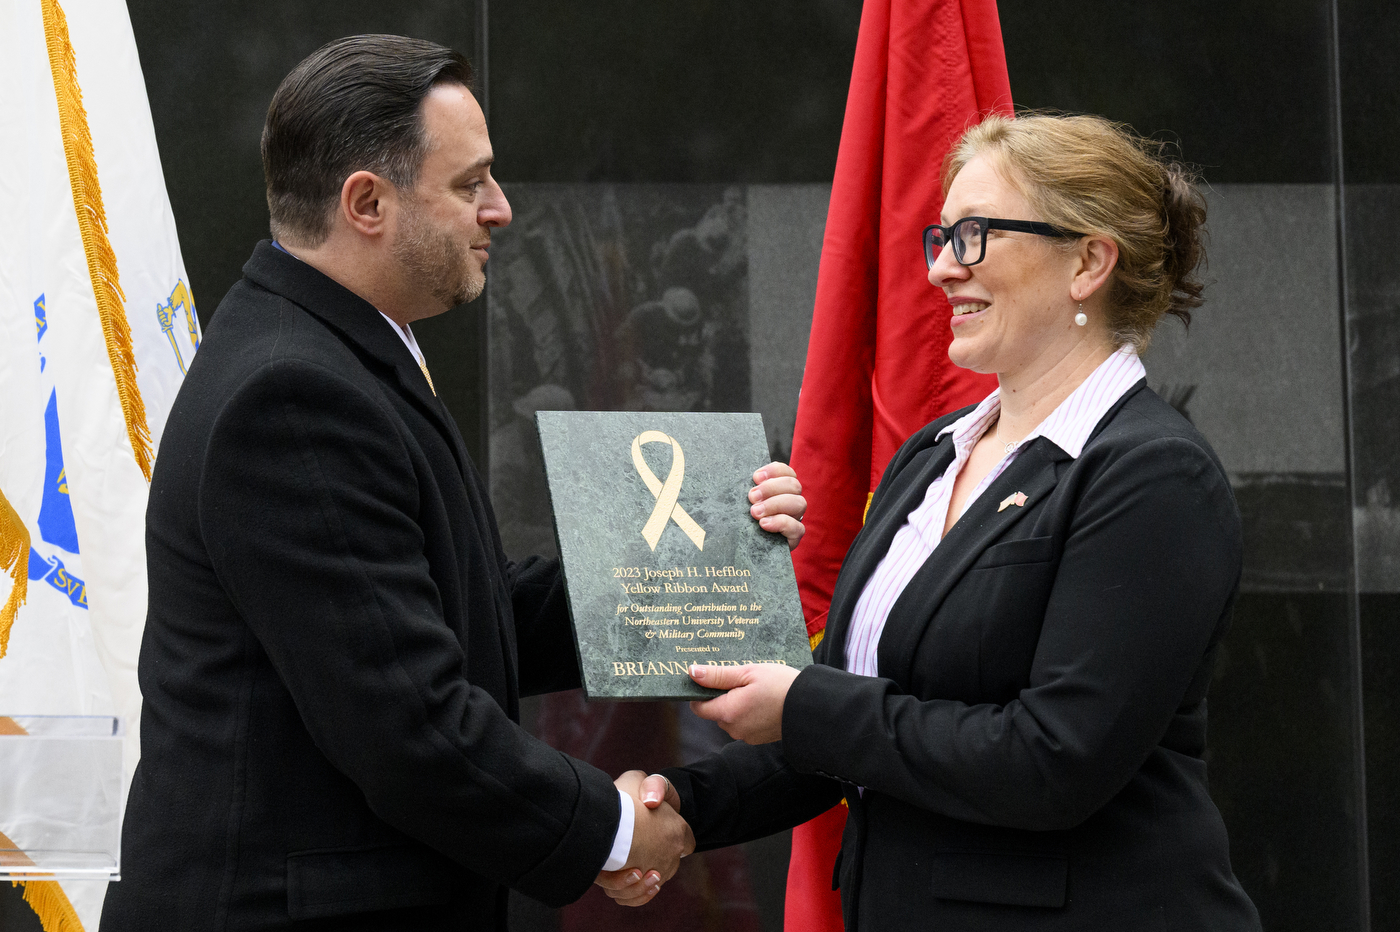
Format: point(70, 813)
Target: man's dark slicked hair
point(352, 105)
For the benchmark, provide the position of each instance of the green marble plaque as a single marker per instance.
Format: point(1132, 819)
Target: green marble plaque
point(663, 564)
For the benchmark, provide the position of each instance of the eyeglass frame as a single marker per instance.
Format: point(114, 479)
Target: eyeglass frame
point(985, 224)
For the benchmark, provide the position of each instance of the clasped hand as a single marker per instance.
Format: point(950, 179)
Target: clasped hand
point(752, 710)
point(660, 838)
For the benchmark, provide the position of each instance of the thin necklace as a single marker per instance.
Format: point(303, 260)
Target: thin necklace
point(1008, 447)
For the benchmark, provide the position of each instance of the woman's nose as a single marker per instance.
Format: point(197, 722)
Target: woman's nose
point(946, 268)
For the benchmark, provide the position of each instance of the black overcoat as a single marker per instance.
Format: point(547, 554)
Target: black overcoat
point(336, 647)
point(1032, 750)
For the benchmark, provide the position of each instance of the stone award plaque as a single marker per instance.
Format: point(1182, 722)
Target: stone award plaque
point(663, 565)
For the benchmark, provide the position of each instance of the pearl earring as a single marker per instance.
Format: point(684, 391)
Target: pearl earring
point(1081, 318)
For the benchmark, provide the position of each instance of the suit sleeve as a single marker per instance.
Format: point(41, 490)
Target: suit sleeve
point(745, 792)
point(1149, 567)
point(307, 506)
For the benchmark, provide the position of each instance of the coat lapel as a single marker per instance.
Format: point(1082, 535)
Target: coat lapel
point(1034, 473)
point(358, 322)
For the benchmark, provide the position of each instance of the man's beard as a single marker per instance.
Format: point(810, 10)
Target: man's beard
point(438, 259)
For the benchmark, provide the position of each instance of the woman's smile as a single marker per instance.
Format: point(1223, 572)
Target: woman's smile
point(966, 310)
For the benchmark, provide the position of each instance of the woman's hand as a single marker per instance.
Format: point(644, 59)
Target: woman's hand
point(752, 709)
point(776, 501)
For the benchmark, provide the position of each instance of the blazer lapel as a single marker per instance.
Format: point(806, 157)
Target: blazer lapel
point(1034, 474)
point(873, 542)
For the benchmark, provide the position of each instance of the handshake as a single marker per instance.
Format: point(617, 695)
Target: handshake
point(751, 710)
point(660, 838)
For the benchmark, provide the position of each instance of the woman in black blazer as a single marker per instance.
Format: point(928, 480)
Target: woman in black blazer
point(1011, 693)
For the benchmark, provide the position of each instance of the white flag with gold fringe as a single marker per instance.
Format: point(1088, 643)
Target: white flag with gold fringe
point(97, 327)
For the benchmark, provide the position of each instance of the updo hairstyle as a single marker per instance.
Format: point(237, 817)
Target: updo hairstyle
point(1087, 174)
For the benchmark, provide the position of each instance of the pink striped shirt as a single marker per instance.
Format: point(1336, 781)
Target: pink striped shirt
point(1068, 427)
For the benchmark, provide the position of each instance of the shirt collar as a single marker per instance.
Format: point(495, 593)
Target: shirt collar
point(408, 338)
point(1071, 423)
point(404, 332)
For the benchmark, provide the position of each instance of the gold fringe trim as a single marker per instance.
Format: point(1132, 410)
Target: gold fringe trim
point(51, 905)
point(92, 223)
point(14, 559)
point(45, 897)
point(816, 639)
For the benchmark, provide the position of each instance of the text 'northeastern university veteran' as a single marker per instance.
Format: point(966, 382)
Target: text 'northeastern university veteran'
point(337, 645)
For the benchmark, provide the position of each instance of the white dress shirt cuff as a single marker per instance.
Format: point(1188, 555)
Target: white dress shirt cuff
point(622, 841)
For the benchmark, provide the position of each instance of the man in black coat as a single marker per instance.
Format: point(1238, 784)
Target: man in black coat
point(336, 643)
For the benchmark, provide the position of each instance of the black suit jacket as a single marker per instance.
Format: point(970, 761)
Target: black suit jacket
point(1032, 751)
point(336, 646)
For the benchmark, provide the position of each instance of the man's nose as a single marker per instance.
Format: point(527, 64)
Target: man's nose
point(495, 211)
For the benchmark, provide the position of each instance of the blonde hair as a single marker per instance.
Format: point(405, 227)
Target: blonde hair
point(1099, 178)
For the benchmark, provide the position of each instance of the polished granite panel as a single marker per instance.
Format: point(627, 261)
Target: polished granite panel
point(1260, 370)
point(1367, 30)
point(1281, 759)
point(726, 91)
point(1373, 331)
point(1296, 531)
point(1370, 135)
point(1380, 666)
point(1242, 86)
point(786, 223)
point(626, 91)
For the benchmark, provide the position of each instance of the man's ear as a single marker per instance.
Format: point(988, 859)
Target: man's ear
point(364, 202)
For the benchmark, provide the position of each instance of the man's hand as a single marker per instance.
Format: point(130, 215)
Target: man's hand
point(752, 709)
point(776, 501)
point(660, 838)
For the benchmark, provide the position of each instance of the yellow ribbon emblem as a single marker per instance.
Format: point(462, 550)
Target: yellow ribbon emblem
point(667, 508)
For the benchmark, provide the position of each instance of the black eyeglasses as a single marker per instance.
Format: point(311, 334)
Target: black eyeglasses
point(969, 236)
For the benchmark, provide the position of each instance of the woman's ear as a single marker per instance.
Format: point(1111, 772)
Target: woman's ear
point(1097, 257)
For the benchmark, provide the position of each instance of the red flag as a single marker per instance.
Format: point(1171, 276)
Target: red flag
point(877, 363)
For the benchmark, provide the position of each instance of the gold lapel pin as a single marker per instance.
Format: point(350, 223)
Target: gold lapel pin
point(1017, 499)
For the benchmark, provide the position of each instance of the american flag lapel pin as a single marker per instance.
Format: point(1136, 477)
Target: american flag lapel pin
point(1018, 499)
